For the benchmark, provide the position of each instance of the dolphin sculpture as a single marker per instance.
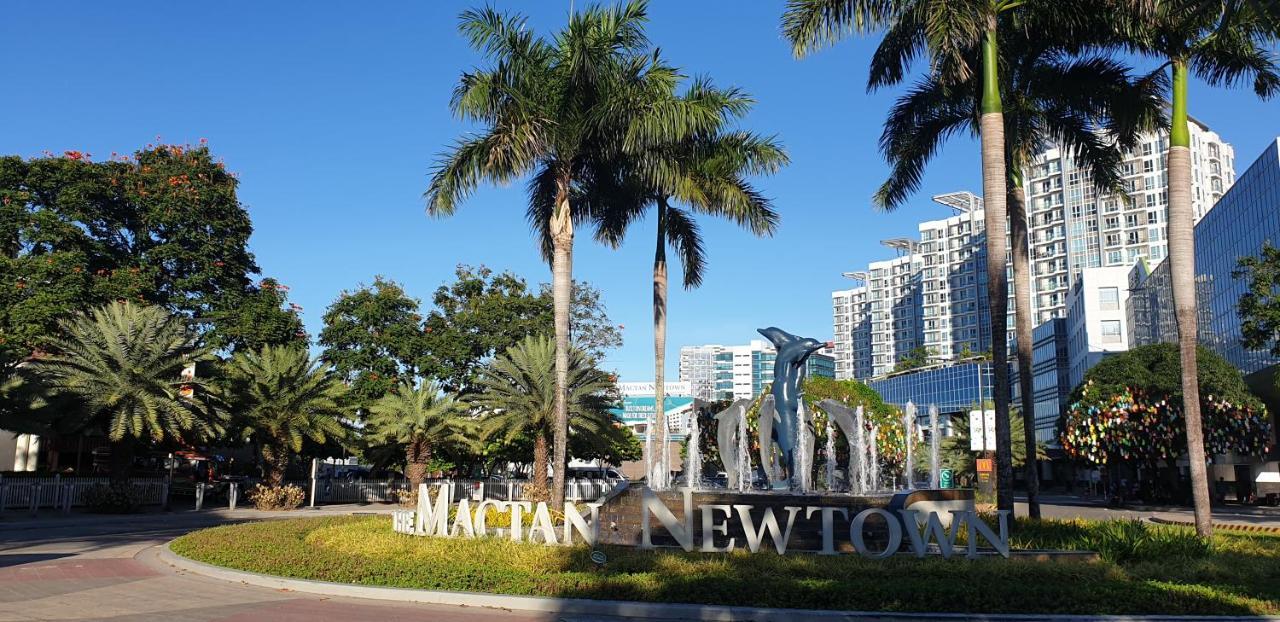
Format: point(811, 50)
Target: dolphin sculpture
point(788, 370)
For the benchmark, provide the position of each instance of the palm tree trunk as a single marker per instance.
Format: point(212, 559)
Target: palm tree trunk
point(562, 292)
point(660, 349)
point(1182, 271)
point(275, 460)
point(417, 455)
point(121, 463)
point(1022, 331)
point(539, 476)
point(995, 216)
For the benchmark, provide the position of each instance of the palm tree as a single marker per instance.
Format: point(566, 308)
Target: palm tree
point(123, 363)
point(946, 32)
point(706, 172)
point(281, 398)
point(1224, 43)
point(556, 110)
point(420, 418)
point(1089, 106)
point(516, 397)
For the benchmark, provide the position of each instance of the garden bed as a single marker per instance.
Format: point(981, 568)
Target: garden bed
point(1145, 569)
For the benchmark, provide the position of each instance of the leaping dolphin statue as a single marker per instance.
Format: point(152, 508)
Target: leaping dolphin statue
point(788, 370)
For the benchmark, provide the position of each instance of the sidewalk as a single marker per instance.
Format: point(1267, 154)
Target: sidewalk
point(12, 521)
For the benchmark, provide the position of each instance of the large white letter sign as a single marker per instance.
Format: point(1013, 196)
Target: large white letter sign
point(860, 544)
point(710, 527)
point(932, 529)
point(651, 504)
point(573, 521)
point(769, 525)
point(828, 530)
point(433, 519)
point(976, 526)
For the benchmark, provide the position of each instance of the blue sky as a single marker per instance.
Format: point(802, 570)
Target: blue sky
point(333, 113)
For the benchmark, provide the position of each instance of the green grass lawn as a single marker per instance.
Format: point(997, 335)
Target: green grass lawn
point(1162, 570)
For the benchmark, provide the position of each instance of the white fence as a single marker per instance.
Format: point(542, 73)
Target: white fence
point(57, 492)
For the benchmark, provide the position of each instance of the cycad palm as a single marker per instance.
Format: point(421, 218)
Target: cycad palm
point(282, 397)
point(947, 33)
point(516, 397)
point(123, 364)
point(421, 419)
point(1224, 43)
point(1089, 106)
point(557, 110)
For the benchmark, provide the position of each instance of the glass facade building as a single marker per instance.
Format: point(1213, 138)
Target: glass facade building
point(953, 388)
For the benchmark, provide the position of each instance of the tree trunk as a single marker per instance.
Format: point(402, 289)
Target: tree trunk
point(539, 476)
point(1182, 271)
point(659, 430)
point(995, 215)
point(562, 292)
point(275, 460)
point(121, 463)
point(417, 455)
point(1022, 323)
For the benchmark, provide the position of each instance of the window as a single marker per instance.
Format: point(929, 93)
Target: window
point(1110, 331)
point(1108, 298)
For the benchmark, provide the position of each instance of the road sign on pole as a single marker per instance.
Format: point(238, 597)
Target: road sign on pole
point(982, 430)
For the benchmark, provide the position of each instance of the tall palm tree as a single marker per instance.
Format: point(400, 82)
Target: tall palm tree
point(1088, 105)
point(123, 363)
point(706, 172)
point(282, 397)
point(556, 110)
point(946, 33)
point(420, 418)
point(1224, 43)
point(517, 398)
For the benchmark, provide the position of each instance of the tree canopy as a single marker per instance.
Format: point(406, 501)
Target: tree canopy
point(1129, 408)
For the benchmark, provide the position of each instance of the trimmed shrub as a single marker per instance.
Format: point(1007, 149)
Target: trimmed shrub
point(113, 499)
point(286, 497)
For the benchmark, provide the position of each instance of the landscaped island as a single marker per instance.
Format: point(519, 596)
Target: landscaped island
point(1145, 569)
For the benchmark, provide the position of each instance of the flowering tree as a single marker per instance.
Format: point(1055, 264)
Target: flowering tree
point(1129, 409)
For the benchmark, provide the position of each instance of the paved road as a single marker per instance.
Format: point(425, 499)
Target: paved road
point(1068, 507)
point(83, 567)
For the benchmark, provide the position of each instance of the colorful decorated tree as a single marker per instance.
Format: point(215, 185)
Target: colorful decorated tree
point(1129, 409)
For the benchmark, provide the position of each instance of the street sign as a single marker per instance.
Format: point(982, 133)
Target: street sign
point(982, 430)
point(946, 478)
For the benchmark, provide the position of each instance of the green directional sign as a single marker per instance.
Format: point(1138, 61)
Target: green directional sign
point(946, 478)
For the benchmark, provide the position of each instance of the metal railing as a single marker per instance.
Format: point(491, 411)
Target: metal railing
point(63, 493)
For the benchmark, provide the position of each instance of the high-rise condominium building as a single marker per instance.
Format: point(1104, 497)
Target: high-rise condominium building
point(933, 295)
point(1075, 226)
point(716, 372)
point(852, 349)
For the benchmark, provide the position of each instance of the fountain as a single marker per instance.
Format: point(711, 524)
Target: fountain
point(935, 469)
point(786, 463)
point(908, 439)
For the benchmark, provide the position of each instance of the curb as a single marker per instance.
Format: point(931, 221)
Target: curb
point(618, 608)
point(1224, 526)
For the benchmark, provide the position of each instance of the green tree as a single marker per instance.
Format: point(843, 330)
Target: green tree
point(260, 315)
point(517, 398)
point(281, 397)
point(1259, 306)
point(589, 326)
point(558, 110)
point(954, 451)
point(1087, 105)
point(373, 339)
point(420, 419)
point(478, 315)
point(914, 359)
point(163, 226)
point(1130, 409)
point(704, 173)
point(1225, 44)
point(122, 364)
